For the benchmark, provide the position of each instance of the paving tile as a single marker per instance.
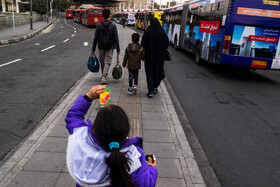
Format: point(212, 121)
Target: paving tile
point(59, 131)
point(65, 180)
point(152, 108)
point(54, 144)
point(161, 150)
point(168, 167)
point(167, 182)
point(46, 162)
point(65, 170)
point(29, 179)
point(157, 136)
point(155, 124)
point(153, 116)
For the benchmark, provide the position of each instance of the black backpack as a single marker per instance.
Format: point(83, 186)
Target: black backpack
point(105, 40)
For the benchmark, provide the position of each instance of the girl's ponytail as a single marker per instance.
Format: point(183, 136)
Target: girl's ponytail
point(119, 166)
point(111, 127)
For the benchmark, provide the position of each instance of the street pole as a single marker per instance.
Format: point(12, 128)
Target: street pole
point(13, 17)
point(3, 6)
point(47, 12)
point(31, 26)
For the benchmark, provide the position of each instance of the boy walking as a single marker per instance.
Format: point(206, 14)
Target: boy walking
point(134, 53)
point(106, 35)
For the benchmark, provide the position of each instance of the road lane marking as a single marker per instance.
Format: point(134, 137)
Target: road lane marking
point(74, 31)
point(85, 43)
point(48, 48)
point(66, 40)
point(73, 35)
point(10, 62)
point(37, 44)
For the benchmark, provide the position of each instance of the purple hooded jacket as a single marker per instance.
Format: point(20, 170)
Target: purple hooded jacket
point(86, 158)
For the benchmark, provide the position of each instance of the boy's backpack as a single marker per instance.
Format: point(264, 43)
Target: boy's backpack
point(105, 40)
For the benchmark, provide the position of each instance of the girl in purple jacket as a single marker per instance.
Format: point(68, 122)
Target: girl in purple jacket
point(101, 154)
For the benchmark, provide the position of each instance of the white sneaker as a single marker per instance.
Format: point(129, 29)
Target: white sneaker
point(135, 90)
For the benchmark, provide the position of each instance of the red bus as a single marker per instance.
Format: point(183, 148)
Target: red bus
point(69, 13)
point(78, 15)
point(92, 16)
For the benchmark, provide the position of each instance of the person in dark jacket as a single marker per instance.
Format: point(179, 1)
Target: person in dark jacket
point(105, 56)
point(134, 53)
point(100, 154)
point(155, 42)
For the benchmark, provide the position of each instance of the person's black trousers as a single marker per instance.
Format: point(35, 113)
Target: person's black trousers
point(133, 75)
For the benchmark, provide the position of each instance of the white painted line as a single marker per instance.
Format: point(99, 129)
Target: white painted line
point(74, 31)
point(66, 40)
point(37, 44)
point(73, 35)
point(85, 43)
point(48, 48)
point(10, 62)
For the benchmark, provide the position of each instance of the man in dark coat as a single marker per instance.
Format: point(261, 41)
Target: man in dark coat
point(105, 56)
point(155, 42)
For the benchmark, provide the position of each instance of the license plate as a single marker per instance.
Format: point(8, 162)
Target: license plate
point(259, 64)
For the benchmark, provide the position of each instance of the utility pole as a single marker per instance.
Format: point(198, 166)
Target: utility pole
point(13, 17)
point(3, 6)
point(31, 26)
point(47, 12)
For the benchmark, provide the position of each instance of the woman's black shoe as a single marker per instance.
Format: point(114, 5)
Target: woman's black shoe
point(155, 91)
point(150, 94)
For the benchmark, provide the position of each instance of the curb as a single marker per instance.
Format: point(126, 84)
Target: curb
point(190, 169)
point(22, 38)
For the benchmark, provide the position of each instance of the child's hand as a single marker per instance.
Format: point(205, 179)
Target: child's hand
point(94, 92)
point(151, 163)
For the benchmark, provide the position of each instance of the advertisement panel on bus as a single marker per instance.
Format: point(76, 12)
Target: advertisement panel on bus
point(241, 33)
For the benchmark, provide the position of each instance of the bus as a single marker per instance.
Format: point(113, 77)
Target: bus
point(143, 18)
point(139, 20)
point(130, 18)
point(117, 17)
point(69, 13)
point(77, 15)
point(92, 16)
point(240, 33)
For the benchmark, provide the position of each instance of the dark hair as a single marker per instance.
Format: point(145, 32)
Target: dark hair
point(112, 125)
point(135, 37)
point(106, 13)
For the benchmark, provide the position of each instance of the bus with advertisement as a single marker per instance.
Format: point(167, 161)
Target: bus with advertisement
point(143, 18)
point(69, 13)
point(91, 16)
point(139, 20)
point(130, 18)
point(235, 32)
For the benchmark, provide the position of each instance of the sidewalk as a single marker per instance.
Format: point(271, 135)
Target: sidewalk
point(41, 158)
point(23, 32)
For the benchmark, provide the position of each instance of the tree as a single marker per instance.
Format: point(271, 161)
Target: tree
point(173, 3)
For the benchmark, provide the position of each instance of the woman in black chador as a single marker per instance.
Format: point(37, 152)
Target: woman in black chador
point(155, 42)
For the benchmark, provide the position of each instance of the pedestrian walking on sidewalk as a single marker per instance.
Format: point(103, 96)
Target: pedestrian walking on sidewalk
point(123, 20)
point(100, 154)
point(155, 42)
point(106, 35)
point(134, 53)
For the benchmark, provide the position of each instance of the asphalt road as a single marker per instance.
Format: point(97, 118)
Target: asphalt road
point(235, 114)
point(48, 65)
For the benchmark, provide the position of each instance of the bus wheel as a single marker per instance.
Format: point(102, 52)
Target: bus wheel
point(175, 44)
point(198, 55)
